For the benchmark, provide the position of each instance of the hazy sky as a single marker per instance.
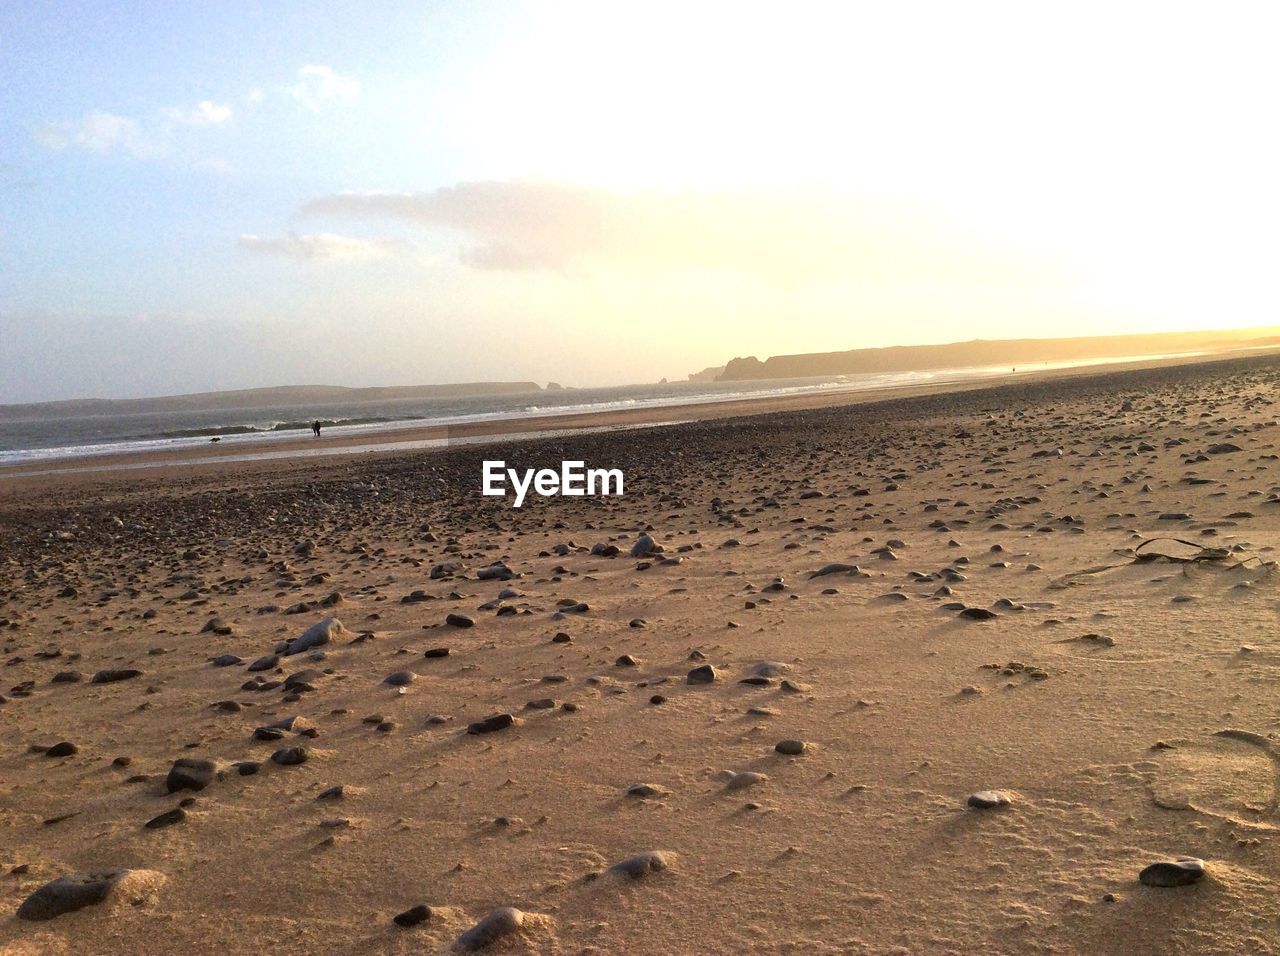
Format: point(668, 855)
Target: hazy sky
point(231, 194)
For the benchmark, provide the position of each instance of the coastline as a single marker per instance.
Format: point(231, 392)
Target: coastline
point(399, 440)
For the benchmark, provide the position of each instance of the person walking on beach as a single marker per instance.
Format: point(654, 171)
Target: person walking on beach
point(315, 428)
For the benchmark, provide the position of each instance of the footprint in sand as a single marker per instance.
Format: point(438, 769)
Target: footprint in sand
point(1231, 776)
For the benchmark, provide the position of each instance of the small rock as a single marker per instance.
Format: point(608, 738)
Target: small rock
point(644, 546)
point(116, 675)
point(265, 663)
point(706, 674)
point(67, 894)
point(291, 756)
point(501, 922)
point(748, 778)
point(166, 819)
point(643, 791)
point(190, 773)
point(988, 799)
point(491, 724)
point(1180, 872)
point(317, 635)
point(412, 917)
point(642, 864)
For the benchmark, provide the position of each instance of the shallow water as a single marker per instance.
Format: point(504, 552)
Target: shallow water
point(91, 464)
point(42, 439)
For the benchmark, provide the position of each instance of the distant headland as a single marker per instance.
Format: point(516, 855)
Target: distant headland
point(979, 352)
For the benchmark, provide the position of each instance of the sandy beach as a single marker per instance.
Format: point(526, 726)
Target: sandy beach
point(906, 673)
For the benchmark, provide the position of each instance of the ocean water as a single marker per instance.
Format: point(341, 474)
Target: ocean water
point(251, 430)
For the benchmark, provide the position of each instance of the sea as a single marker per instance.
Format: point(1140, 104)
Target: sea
point(248, 433)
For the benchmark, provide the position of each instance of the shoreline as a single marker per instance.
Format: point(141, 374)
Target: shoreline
point(414, 438)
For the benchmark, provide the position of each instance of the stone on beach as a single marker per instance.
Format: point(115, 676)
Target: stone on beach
point(500, 923)
point(190, 773)
point(66, 894)
point(988, 799)
point(317, 635)
point(492, 724)
point(641, 865)
point(116, 675)
point(1183, 871)
point(413, 916)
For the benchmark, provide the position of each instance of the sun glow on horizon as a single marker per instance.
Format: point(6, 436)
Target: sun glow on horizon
point(653, 189)
point(1124, 145)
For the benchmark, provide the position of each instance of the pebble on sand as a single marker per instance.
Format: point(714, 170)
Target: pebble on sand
point(317, 635)
point(988, 799)
point(291, 756)
point(501, 922)
point(642, 864)
point(190, 773)
point(413, 916)
point(1180, 872)
point(643, 791)
point(491, 724)
point(644, 546)
point(748, 778)
point(166, 819)
point(74, 892)
point(115, 676)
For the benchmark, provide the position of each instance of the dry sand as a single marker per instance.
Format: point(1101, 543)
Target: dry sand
point(1123, 697)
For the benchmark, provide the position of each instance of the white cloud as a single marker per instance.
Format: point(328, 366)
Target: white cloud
point(100, 132)
point(323, 245)
point(204, 113)
point(318, 85)
point(791, 236)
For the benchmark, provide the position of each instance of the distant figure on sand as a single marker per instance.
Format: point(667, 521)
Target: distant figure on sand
point(315, 427)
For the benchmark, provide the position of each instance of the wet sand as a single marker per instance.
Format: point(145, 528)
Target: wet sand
point(943, 673)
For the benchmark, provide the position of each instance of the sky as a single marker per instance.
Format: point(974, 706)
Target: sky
point(239, 194)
